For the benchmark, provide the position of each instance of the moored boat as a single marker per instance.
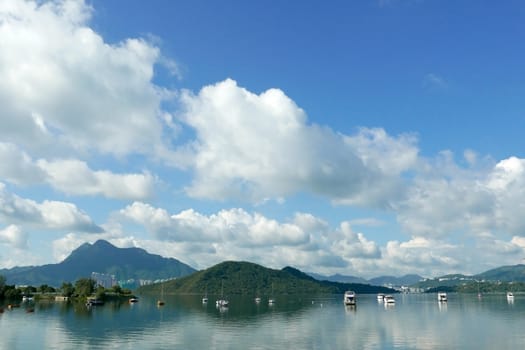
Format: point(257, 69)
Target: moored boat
point(349, 298)
point(222, 303)
point(380, 297)
point(389, 300)
point(94, 302)
point(442, 296)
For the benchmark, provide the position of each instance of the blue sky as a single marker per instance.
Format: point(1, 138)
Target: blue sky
point(361, 138)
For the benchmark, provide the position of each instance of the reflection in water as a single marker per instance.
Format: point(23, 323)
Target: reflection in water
point(443, 305)
point(295, 322)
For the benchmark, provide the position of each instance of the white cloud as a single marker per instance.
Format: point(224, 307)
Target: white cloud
point(44, 215)
point(75, 92)
point(18, 167)
point(447, 200)
point(235, 234)
point(13, 236)
point(72, 176)
point(75, 177)
point(432, 80)
point(261, 146)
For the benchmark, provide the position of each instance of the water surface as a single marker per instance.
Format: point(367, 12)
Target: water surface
point(416, 321)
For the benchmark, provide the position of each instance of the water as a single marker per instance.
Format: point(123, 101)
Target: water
point(416, 321)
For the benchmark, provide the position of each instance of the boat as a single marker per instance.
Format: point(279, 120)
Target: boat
point(133, 300)
point(205, 297)
point(161, 302)
point(442, 296)
point(380, 297)
point(349, 298)
point(221, 303)
point(271, 301)
point(510, 295)
point(257, 300)
point(388, 299)
point(94, 302)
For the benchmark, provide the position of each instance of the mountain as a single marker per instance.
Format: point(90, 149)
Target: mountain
point(102, 257)
point(504, 273)
point(339, 278)
point(405, 280)
point(247, 278)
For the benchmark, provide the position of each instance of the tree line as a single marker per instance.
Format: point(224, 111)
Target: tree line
point(82, 288)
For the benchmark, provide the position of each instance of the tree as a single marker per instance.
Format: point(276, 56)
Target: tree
point(2, 286)
point(84, 287)
point(44, 288)
point(116, 289)
point(100, 293)
point(67, 289)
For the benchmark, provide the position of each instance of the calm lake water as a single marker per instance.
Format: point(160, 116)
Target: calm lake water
point(416, 321)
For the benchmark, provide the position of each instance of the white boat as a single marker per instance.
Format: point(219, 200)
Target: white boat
point(442, 296)
point(205, 297)
point(271, 301)
point(388, 299)
point(349, 298)
point(257, 300)
point(221, 303)
point(380, 297)
point(510, 295)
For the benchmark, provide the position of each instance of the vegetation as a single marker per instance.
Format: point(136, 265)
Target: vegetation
point(246, 278)
point(83, 288)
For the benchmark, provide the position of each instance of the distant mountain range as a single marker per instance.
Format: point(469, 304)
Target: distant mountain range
point(406, 280)
point(513, 273)
point(101, 257)
point(136, 263)
point(245, 278)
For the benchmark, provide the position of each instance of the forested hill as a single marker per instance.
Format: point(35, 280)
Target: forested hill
point(245, 278)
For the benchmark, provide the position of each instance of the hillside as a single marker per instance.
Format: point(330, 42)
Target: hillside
point(504, 273)
point(245, 278)
point(405, 280)
point(102, 257)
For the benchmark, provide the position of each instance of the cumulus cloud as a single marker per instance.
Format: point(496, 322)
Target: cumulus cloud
point(303, 241)
point(71, 176)
point(44, 215)
point(18, 167)
point(447, 200)
point(14, 237)
point(261, 146)
point(75, 177)
point(75, 93)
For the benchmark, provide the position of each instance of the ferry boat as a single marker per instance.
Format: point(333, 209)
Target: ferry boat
point(349, 298)
point(389, 300)
point(442, 296)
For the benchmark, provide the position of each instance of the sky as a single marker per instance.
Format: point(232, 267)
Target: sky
point(364, 138)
